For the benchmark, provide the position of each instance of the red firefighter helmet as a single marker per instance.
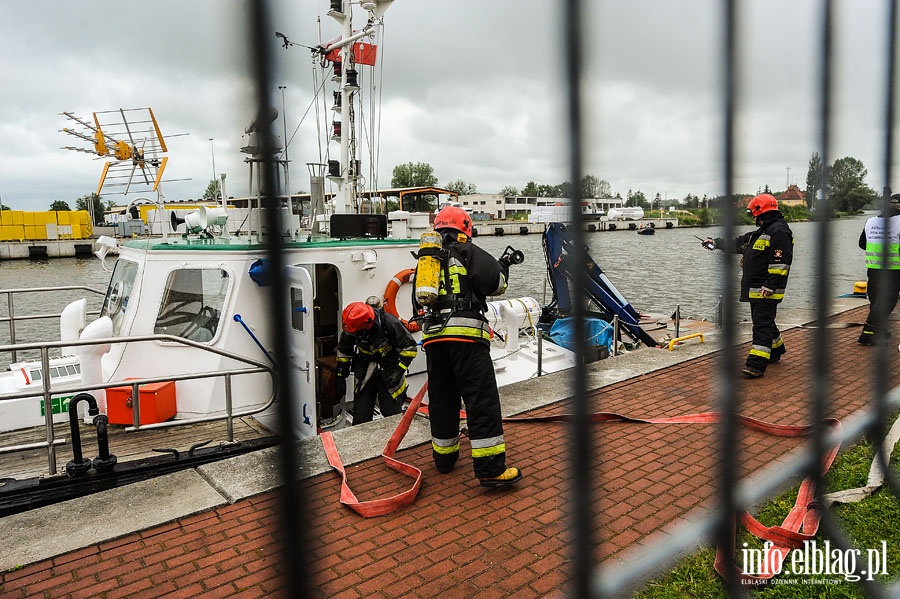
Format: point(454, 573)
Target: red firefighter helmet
point(764, 202)
point(453, 217)
point(357, 316)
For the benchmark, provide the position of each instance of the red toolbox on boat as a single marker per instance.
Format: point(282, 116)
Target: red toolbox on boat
point(157, 403)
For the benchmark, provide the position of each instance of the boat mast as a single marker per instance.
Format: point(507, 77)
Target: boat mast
point(347, 175)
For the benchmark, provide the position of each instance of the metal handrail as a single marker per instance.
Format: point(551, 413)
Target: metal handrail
point(253, 367)
point(10, 302)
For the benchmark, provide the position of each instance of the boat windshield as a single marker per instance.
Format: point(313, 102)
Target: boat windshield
point(115, 305)
point(192, 303)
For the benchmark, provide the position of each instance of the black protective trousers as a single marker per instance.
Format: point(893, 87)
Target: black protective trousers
point(364, 400)
point(883, 287)
point(461, 373)
point(762, 313)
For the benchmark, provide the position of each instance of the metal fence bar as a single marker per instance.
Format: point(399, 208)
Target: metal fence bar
point(292, 533)
point(582, 451)
point(727, 400)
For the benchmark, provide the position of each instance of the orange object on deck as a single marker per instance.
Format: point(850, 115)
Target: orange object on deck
point(157, 403)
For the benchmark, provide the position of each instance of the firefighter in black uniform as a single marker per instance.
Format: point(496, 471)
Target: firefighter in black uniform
point(379, 349)
point(766, 262)
point(456, 338)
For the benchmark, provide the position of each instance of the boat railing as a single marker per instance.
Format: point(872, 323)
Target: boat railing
point(11, 307)
point(250, 367)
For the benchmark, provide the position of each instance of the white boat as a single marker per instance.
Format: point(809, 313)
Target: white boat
point(185, 320)
point(626, 213)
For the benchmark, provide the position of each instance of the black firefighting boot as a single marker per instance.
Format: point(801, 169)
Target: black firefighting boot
point(509, 477)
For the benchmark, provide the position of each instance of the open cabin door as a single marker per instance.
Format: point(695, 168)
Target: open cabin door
point(301, 348)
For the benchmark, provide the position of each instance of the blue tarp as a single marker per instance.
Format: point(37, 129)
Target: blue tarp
point(599, 332)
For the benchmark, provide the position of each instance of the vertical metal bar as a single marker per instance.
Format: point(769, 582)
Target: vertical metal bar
point(136, 405)
point(823, 214)
point(727, 399)
point(540, 355)
point(582, 452)
point(229, 420)
point(617, 335)
point(48, 411)
point(292, 534)
point(677, 321)
point(12, 322)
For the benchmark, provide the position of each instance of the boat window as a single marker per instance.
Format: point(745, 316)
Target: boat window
point(36, 375)
point(70, 370)
point(192, 303)
point(296, 305)
point(115, 305)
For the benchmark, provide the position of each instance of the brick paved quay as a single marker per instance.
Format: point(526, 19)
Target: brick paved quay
point(456, 540)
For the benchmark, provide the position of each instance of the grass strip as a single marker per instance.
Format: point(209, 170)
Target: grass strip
point(867, 524)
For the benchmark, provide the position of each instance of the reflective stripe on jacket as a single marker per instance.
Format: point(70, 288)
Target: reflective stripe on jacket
point(388, 344)
point(874, 233)
point(767, 256)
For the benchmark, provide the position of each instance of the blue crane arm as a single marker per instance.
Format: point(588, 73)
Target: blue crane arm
point(600, 290)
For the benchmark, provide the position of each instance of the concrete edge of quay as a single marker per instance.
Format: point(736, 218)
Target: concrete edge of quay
point(43, 533)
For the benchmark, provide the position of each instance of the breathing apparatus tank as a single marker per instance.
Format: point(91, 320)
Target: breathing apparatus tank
point(428, 272)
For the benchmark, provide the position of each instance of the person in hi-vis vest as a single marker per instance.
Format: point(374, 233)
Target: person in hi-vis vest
point(883, 284)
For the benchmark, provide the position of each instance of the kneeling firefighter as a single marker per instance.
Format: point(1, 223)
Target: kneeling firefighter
point(379, 349)
point(456, 338)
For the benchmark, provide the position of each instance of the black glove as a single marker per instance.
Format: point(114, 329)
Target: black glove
point(393, 377)
point(340, 385)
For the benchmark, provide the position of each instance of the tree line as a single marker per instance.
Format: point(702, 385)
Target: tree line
point(844, 181)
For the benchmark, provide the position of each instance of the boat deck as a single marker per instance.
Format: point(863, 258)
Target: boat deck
point(127, 446)
point(456, 539)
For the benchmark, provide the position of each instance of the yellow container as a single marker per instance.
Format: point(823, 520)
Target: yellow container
point(6, 217)
point(12, 232)
point(87, 230)
point(18, 217)
point(860, 287)
point(31, 233)
point(29, 218)
point(44, 218)
point(82, 217)
point(62, 218)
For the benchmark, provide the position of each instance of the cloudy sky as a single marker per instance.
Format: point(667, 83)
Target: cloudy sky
point(473, 88)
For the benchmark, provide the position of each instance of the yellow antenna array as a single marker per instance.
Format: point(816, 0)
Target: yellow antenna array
point(131, 140)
